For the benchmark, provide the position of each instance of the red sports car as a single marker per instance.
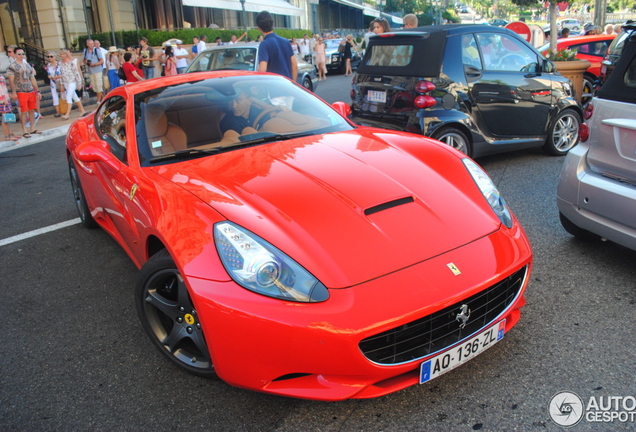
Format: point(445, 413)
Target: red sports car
point(591, 48)
point(286, 250)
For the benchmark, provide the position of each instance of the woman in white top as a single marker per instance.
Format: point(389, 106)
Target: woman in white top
point(71, 75)
point(54, 73)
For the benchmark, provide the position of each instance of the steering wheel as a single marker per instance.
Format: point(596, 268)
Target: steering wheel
point(268, 111)
point(512, 59)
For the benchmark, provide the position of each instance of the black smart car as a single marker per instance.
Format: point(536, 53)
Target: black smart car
point(480, 89)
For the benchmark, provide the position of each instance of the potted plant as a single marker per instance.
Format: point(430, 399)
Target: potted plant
point(570, 67)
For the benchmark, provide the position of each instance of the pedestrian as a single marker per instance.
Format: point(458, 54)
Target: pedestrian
point(195, 49)
point(609, 29)
point(24, 88)
point(380, 25)
point(218, 41)
point(306, 48)
point(181, 56)
point(565, 33)
point(71, 79)
point(275, 53)
point(5, 108)
point(294, 46)
point(321, 59)
point(589, 29)
point(114, 63)
point(131, 71)
point(93, 59)
point(202, 44)
point(149, 57)
point(54, 73)
point(170, 64)
point(347, 53)
point(104, 52)
point(409, 21)
point(234, 40)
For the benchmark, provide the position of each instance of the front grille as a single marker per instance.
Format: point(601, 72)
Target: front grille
point(439, 330)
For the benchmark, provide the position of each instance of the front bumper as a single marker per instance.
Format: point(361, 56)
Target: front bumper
point(311, 350)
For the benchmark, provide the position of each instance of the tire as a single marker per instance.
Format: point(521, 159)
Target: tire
point(577, 231)
point(308, 84)
point(79, 197)
point(455, 138)
point(563, 133)
point(168, 317)
point(588, 89)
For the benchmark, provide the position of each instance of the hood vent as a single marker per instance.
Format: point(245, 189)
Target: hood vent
point(388, 205)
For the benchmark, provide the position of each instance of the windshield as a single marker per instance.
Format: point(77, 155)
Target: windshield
point(225, 113)
point(332, 43)
point(226, 58)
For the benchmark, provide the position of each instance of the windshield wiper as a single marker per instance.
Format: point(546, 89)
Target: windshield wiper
point(186, 154)
point(266, 137)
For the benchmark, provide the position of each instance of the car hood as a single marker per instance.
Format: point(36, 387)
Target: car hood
point(349, 207)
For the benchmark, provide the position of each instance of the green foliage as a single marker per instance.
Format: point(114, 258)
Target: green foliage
point(157, 37)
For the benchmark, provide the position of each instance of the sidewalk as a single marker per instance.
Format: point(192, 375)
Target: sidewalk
point(50, 126)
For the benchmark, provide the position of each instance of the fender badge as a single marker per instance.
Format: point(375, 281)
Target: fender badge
point(454, 269)
point(133, 191)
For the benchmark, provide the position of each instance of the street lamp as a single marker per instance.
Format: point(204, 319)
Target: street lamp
point(244, 16)
point(380, 3)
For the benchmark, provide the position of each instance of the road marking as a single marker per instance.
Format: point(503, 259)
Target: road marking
point(39, 231)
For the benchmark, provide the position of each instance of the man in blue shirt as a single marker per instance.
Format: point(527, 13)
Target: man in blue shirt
point(275, 53)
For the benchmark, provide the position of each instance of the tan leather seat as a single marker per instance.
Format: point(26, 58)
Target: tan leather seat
point(163, 137)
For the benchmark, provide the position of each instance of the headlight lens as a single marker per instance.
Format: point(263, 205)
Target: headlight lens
point(490, 192)
point(260, 267)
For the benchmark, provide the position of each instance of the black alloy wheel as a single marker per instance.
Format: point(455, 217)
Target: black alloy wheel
point(308, 84)
point(169, 318)
point(79, 197)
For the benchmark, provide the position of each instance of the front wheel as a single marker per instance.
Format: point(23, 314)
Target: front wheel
point(307, 84)
point(455, 138)
point(168, 316)
point(79, 197)
point(563, 134)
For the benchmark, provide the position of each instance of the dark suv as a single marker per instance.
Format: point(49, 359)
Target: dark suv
point(480, 89)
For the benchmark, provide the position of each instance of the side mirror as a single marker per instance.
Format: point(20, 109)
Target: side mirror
point(96, 151)
point(548, 66)
point(342, 108)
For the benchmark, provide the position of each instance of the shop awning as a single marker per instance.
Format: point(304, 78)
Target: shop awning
point(366, 10)
point(278, 7)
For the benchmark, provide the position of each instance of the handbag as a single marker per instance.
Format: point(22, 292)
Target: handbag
point(121, 74)
point(8, 118)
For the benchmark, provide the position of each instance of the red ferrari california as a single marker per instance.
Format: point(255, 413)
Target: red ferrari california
point(286, 250)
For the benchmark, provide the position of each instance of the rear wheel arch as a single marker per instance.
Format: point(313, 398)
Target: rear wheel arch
point(451, 131)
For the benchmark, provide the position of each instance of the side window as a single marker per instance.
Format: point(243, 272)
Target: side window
point(504, 53)
point(111, 126)
point(630, 74)
point(470, 53)
point(597, 49)
point(202, 62)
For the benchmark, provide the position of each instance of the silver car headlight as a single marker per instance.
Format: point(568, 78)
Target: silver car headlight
point(490, 192)
point(259, 266)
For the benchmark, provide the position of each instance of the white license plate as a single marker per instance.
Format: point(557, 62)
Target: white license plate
point(461, 353)
point(376, 96)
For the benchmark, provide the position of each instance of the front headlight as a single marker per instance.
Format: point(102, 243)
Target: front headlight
point(258, 266)
point(490, 192)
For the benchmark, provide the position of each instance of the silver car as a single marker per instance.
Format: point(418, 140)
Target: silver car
point(244, 56)
point(596, 194)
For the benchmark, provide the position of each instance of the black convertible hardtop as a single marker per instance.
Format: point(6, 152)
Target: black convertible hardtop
point(615, 87)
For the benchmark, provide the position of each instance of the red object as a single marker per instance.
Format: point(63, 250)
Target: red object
point(584, 132)
point(392, 224)
point(590, 48)
point(424, 101)
point(521, 28)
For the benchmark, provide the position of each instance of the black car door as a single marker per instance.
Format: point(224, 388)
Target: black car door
point(512, 98)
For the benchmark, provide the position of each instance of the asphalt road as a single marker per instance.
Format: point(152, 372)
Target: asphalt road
point(74, 356)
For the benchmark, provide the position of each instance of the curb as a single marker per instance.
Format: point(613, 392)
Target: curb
point(45, 136)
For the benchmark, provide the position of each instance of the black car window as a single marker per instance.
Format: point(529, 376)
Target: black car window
point(630, 74)
point(390, 55)
point(111, 126)
point(598, 48)
point(470, 53)
point(504, 53)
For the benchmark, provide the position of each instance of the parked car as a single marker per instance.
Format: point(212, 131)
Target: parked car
point(302, 256)
point(335, 59)
point(590, 48)
point(479, 89)
point(596, 194)
point(614, 52)
point(498, 22)
point(571, 23)
point(244, 56)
